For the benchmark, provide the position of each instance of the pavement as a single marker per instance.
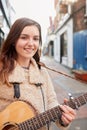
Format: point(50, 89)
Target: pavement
point(64, 85)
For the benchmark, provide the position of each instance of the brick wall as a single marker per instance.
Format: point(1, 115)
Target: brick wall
point(78, 15)
point(78, 10)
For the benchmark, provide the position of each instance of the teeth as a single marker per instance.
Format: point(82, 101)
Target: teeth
point(28, 49)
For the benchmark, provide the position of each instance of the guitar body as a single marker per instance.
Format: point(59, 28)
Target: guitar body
point(15, 113)
point(19, 115)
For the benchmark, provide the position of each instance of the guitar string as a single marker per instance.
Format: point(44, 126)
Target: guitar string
point(76, 99)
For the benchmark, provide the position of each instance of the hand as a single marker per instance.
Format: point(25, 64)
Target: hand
point(68, 114)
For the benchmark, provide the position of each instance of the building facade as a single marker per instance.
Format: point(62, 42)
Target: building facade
point(5, 19)
point(70, 33)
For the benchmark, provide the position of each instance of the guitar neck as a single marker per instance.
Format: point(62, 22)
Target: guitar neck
point(78, 101)
point(51, 114)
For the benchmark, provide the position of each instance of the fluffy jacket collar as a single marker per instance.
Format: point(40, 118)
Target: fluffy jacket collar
point(18, 74)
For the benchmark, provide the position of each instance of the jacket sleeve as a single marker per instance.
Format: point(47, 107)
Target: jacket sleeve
point(50, 91)
point(52, 97)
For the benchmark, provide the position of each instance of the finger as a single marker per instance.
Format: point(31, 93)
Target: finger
point(66, 100)
point(68, 110)
point(69, 116)
point(64, 120)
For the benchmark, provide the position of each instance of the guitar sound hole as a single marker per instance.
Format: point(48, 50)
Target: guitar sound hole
point(10, 127)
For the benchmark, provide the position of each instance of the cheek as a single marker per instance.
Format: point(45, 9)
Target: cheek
point(18, 46)
point(37, 46)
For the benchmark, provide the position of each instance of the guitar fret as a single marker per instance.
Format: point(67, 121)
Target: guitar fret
point(82, 100)
point(45, 118)
point(39, 120)
point(28, 124)
point(31, 125)
point(51, 115)
point(34, 126)
point(22, 127)
point(36, 122)
point(71, 103)
point(55, 113)
point(25, 126)
point(85, 95)
point(59, 112)
point(78, 102)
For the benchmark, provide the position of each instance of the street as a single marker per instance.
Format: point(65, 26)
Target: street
point(64, 85)
point(56, 29)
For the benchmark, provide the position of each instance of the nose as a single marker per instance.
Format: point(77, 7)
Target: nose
point(30, 41)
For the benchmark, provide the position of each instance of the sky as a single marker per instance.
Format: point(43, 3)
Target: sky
point(39, 10)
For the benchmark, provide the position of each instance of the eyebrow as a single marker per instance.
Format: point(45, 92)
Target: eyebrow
point(28, 35)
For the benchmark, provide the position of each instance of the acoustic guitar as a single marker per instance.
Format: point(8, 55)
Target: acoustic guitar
point(21, 116)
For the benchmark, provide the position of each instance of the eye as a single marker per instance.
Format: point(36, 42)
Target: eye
point(23, 37)
point(36, 38)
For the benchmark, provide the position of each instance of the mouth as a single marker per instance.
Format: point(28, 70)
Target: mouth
point(28, 50)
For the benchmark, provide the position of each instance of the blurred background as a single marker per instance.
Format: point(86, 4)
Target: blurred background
point(64, 47)
point(64, 27)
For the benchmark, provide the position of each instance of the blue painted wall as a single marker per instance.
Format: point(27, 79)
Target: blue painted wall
point(80, 50)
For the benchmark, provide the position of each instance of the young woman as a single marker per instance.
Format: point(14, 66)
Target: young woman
point(23, 80)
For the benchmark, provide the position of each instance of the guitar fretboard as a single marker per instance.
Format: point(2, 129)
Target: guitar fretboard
point(51, 114)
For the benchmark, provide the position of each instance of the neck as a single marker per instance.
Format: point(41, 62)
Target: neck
point(24, 63)
point(25, 67)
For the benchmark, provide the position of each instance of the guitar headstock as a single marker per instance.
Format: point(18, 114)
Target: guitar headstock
point(76, 102)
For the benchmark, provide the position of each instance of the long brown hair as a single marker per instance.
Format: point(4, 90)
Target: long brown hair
point(8, 54)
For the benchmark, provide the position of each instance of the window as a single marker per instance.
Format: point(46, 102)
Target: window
point(64, 44)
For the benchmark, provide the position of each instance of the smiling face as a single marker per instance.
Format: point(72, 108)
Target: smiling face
point(28, 43)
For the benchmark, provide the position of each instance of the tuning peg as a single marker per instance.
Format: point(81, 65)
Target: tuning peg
point(70, 96)
point(73, 101)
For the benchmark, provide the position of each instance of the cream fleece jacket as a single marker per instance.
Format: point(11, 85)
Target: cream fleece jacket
point(28, 90)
